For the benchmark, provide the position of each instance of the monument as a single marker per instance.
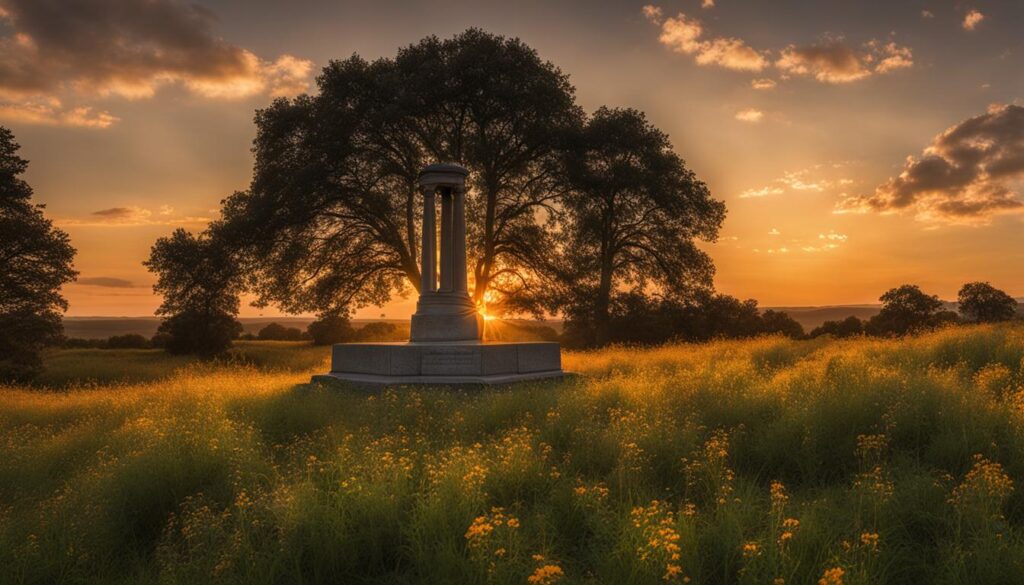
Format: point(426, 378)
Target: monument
point(446, 345)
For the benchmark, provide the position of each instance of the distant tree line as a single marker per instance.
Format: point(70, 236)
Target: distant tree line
point(906, 309)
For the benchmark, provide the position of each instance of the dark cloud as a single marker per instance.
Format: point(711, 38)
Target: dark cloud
point(966, 175)
point(118, 212)
point(105, 281)
point(128, 48)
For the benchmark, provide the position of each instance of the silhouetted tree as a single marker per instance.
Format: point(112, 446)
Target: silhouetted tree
point(905, 309)
point(780, 322)
point(278, 332)
point(331, 219)
point(35, 261)
point(197, 278)
point(331, 329)
point(848, 327)
point(630, 218)
point(984, 303)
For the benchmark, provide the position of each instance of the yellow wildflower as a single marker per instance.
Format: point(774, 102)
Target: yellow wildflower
point(545, 575)
point(833, 576)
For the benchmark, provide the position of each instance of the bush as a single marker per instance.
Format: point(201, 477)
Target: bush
point(128, 341)
point(278, 332)
point(331, 329)
point(848, 327)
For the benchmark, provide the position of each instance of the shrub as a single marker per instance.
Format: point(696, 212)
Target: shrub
point(331, 329)
point(278, 332)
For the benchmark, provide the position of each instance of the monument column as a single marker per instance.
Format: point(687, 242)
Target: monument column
point(459, 239)
point(446, 241)
point(428, 272)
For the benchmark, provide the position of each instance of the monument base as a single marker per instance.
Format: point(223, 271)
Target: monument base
point(453, 362)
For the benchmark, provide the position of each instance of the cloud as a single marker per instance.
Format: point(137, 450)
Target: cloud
point(50, 112)
point(808, 179)
point(707, 4)
point(972, 19)
point(835, 62)
point(750, 115)
point(683, 34)
point(129, 48)
point(831, 61)
point(833, 236)
point(105, 281)
point(131, 216)
point(966, 175)
point(762, 192)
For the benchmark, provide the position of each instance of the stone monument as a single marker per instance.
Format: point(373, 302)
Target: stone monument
point(446, 345)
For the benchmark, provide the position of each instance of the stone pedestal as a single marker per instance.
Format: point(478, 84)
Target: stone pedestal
point(447, 328)
point(470, 362)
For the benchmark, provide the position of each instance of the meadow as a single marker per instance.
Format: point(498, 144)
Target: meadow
point(763, 461)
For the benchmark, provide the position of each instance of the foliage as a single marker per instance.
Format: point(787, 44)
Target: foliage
point(198, 279)
point(35, 261)
point(630, 219)
point(278, 332)
point(331, 329)
point(857, 461)
point(984, 303)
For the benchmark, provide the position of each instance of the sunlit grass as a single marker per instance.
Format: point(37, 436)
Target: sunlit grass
point(858, 461)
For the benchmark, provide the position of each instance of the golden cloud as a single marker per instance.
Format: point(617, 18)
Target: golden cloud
point(967, 175)
point(831, 61)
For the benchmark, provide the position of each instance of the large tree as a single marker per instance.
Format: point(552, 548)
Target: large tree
point(906, 309)
point(631, 219)
point(984, 303)
point(331, 219)
point(35, 261)
point(198, 278)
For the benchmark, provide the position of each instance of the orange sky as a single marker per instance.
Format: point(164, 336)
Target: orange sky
point(801, 118)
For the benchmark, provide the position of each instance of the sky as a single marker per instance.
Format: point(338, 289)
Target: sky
point(858, 145)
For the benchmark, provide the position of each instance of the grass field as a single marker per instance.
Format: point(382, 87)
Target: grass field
point(766, 461)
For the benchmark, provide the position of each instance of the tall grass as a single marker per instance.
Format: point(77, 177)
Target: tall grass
point(763, 461)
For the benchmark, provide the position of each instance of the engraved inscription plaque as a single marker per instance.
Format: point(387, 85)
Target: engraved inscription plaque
point(450, 362)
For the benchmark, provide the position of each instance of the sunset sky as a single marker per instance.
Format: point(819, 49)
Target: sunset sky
point(858, 145)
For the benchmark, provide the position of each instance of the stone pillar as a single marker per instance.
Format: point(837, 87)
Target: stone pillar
point(447, 278)
point(459, 239)
point(428, 271)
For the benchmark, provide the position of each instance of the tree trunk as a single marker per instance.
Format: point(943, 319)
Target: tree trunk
point(602, 305)
point(410, 234)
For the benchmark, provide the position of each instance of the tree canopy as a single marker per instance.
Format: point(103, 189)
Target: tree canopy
point(35, 261)
point(905, 309)
point(982, 302)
